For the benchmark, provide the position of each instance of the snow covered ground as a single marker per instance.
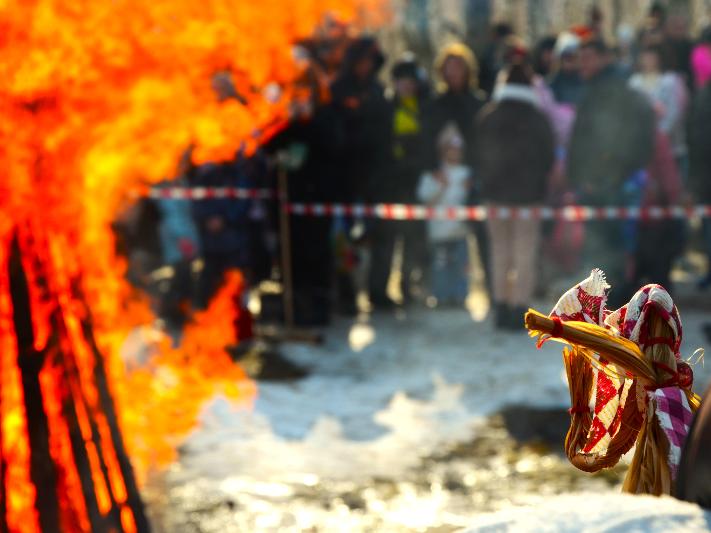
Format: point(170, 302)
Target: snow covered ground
point(392, 431)
point(588, 512)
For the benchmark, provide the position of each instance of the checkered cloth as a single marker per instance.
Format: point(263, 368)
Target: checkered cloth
point(674, 416)
point(672, 407)
point(586, 302)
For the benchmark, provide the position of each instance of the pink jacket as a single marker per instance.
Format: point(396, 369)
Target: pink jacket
point(701, 64)
point(562, 116)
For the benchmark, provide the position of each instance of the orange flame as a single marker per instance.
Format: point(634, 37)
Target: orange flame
point(98, 99)
point(177, 381)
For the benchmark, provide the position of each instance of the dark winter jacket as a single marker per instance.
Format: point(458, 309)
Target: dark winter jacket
point(233, 237)
point(460, 108)
point(140, 230)
point(700, 146)
point(361, 109)
point(317, 142)
point(613, 137)
point(567, 87)
point(680, 54)
point(515, 148)
point(406, 152)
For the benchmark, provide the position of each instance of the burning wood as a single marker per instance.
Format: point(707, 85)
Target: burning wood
point(78, 465)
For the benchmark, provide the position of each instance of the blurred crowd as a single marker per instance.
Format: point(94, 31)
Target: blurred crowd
point(571, 120)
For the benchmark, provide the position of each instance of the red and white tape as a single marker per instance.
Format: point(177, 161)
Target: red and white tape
point(422, 212)
point(209, 193)
point(569, 213)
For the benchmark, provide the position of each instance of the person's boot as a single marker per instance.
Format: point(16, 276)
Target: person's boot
point(502, 314)
point(347, 305)
point(303, 309)
point(381, 302)
point(322, 307)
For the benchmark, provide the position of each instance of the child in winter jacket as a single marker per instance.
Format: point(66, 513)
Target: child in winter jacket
point(448, 187)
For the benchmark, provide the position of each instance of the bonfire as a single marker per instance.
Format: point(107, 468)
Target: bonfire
point(98, 101)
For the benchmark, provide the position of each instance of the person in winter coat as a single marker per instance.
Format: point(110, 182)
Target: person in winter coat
point(653, 30)
point(313, 139)
point(561, 115)
point(398, 184)
point(222, 225)
point(358, 99)
point(448, 186)
point(659, 242)
point(700, 161)
point(565, 81)
point(492, 57)
point(459, 101)
point(613, 134)
point(610, 148)
point(544, 56)
point(360, 107)
point(667, 92)
point(515, 153)
point(679, 47)
point(701, 60)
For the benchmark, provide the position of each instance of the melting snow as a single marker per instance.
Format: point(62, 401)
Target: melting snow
point(343, 449)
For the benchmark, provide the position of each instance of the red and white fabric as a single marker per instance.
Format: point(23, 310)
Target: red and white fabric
point(586, 302)
point(675, 417)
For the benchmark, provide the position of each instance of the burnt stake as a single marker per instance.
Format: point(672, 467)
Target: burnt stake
point(42, 469)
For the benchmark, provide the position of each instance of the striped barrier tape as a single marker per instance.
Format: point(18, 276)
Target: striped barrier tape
point(569, 213)
point(386, 211)
point(209, 193)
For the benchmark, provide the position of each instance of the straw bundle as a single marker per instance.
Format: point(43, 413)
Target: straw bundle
point(588, 347)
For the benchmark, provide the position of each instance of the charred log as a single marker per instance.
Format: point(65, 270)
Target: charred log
point(133, 496)
point(83, 466)
point(112, 522)
point(79, 416)
point(42, 469)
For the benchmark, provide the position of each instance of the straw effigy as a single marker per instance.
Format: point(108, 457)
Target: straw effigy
point(628, 384)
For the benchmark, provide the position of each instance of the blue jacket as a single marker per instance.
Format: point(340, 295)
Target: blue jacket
point(176, 225)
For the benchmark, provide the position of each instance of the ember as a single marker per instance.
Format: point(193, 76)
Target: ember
point(99, 99)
